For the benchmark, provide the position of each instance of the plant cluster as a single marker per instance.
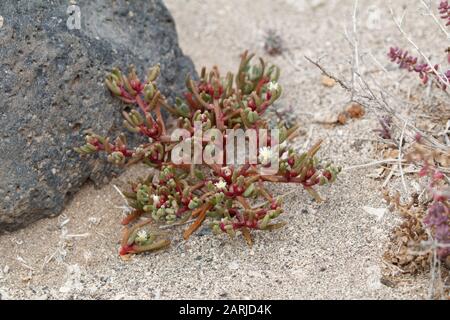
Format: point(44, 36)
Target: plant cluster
point(231, 197)
point(425, 70)
point(437, 218)
point(426, 224)
point(407, 236)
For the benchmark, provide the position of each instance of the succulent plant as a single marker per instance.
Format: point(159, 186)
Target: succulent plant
point(231, 197)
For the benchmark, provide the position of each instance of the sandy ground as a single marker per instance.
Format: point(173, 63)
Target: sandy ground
point(332, 250)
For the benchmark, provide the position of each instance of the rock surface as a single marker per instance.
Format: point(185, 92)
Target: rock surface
point(51, 90)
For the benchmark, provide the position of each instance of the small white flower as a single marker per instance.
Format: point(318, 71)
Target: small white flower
point(226, 171)
point(141, 236)
point(273, 86)
point(155, 199)
point(265, 155)
point(221, 184)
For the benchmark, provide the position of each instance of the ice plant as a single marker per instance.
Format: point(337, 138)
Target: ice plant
point(230, 197)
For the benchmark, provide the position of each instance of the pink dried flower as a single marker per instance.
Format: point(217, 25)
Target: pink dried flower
point(444, 10)
point(418, 137)
point(438, 176)
point(410, 63)
point(402, 58)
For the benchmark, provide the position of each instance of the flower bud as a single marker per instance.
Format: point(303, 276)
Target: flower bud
point(250, 190)
point(253, 117)
point(148, 208)
point(194, 203)
point(264, 222)
point(142, 194)
point(136, 118)
point(113, 87)
point(90, 148)
point(230, 230)
point(117, 157)
point(171, 217)
point(216, 229)
point(323, 180)
point(149, 91)
point(153, 73)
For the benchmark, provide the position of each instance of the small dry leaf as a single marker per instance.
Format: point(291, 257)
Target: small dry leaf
point(342, 118)
point(405, 237)
point(387, 282)
point(443, 159)
point(390, 154)
point(355, 111)
point(328, 82)
point(125, 257)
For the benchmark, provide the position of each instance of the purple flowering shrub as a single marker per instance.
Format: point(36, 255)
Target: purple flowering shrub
point(444, 10)
point(438, 219)
point(437, 216)
point(424, 70)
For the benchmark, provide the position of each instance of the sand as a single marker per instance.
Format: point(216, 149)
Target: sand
point(331, 250)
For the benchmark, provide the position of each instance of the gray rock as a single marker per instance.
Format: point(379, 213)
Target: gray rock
point(51, 90)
